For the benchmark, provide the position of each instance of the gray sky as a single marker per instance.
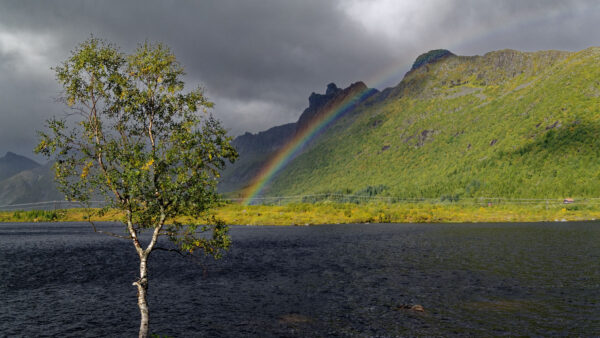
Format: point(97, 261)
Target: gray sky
point(259, 60)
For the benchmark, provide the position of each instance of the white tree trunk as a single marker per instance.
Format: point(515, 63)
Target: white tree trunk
point(142, 282)
point(142, 286)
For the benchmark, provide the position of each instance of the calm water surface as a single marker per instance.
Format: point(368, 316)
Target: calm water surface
point(61, 279)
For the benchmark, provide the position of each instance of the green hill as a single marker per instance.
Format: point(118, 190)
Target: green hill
point(505, 124)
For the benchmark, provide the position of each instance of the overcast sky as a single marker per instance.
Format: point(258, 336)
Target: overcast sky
point(259, 60)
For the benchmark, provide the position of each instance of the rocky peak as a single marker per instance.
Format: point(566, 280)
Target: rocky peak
point(320, 103)
point(332, 89)
point(430, 57)
point(357, 86)
point(316, 101)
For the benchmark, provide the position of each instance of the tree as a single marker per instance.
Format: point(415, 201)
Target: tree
point(133, 136)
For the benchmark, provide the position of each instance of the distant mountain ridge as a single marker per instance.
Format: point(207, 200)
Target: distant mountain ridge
point(30, 186)
point(11, 164)
point(23, 180)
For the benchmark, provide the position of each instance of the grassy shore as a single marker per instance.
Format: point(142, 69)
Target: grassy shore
point(333, 213)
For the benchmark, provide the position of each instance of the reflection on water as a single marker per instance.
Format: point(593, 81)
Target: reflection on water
point(342, 280)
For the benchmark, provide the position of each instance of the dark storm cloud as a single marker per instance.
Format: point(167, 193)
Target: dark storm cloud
point(259, 60)
point(527, 25)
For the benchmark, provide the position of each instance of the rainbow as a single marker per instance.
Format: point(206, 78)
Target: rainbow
point(386, 76)
point(295, 145)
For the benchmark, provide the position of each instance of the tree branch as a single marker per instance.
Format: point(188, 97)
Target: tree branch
point(156, 232)
point(107, 232)
point(171, 250)
point(133, 233)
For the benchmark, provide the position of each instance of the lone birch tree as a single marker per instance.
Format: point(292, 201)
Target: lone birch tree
point(132, 135)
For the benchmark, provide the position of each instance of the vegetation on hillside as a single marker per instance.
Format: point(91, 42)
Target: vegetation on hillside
point(506, 124)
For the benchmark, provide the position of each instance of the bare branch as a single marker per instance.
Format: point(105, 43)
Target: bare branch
point(171, 250)
point(107, 232)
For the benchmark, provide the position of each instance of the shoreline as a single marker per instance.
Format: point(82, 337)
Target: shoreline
point(345, 213)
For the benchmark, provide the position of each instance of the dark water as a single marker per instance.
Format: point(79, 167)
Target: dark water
point(343, 280)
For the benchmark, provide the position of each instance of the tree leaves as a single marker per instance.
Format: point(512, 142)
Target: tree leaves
point(138, 140)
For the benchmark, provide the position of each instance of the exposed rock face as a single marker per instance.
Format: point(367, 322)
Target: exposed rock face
point(264, 141)
point(431, 57)
point(331, 89)
point(334, 97)
point(424, 136)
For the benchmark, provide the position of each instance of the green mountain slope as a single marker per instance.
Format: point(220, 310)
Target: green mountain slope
point(505, 124)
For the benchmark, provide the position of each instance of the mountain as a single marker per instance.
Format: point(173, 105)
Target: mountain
point(12, 164)
point(256, 150)
point(29, 186)
point(504, 124)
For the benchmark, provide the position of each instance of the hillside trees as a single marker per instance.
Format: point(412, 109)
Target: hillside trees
point(135, 137)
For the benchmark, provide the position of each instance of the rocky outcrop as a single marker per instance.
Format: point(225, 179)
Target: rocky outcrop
point(431, 57)
point(334, 98)
point(264, 141)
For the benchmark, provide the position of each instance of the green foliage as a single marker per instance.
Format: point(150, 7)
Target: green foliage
point(38, 215)
point(506, 124)
point(139, 140)
point(372, 191)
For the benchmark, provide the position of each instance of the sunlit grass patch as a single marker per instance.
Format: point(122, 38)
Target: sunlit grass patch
point(340, 213)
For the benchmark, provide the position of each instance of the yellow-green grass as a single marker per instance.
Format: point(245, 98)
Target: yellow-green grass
point(62, 215)
point(333, 213)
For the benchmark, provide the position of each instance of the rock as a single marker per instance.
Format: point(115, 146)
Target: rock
point(430, 57)
point(331, 89)
point(414, 307)
point(417, 308)
point(424, 136)
point(554, 125)
point(334, 98)
point(293, 318)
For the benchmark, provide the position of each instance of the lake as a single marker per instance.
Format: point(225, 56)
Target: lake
point(333, 280)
